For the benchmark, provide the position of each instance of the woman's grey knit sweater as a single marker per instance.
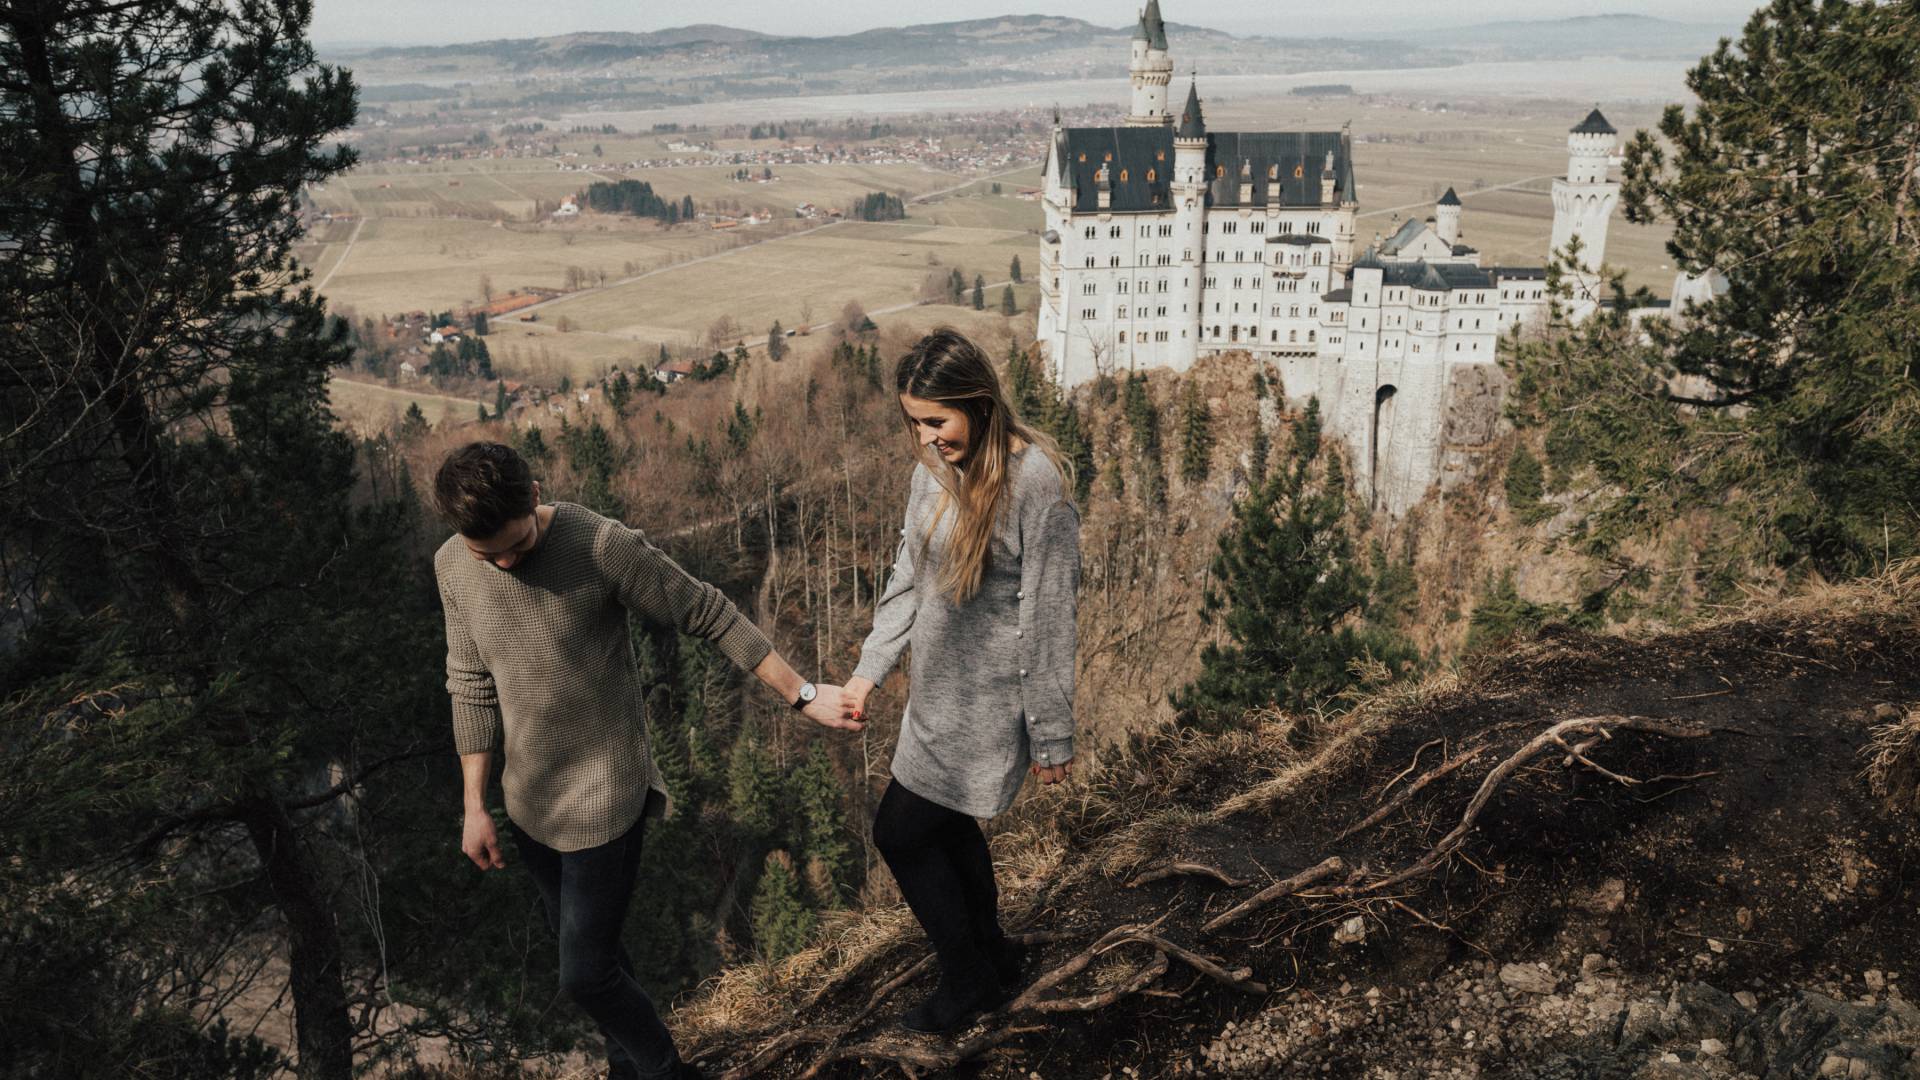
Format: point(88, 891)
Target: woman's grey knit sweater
point(993, 677)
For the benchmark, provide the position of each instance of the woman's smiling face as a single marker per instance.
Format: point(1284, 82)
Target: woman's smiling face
point(942, 427)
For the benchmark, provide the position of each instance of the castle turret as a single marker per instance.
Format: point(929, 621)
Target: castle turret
point(1328, 181)
point(1446, 215)
point(1583, 200)
point(1189, 195)
point(1150, 69)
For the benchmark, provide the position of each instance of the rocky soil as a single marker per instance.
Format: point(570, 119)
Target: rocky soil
point(1698, 882)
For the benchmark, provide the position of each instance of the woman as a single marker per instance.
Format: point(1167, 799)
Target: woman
point(983, 588)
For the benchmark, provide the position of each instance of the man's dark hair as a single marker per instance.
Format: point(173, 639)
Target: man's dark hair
point(482, 486)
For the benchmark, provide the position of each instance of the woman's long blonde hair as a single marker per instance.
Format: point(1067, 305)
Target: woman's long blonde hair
point(946, 368)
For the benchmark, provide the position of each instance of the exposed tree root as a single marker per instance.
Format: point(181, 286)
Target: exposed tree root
point(1040, 997)
point(1176, 869)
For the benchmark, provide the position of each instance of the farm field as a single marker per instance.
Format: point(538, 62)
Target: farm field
point(879, 264)
point(431, 264)
point(509, 187)
point(369, 407)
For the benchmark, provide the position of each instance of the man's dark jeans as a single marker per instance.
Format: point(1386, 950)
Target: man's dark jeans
point(586, 894)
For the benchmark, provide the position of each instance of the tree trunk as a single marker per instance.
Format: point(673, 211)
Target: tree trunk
point(322, 1029)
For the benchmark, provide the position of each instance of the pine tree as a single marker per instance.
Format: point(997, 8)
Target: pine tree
point(782, 922)
point(776, 343)
point(414, 426)
point(1257, 457)
point(1013, 270)
point(533, 446)
point(1006, 302)
point(619, 394)
point(1290, 594)
point(816, 797)
point(754, 788)
point(500, 399)
point(1795, 387)
point(1196, 435)
point(592, 457)
point(480, 326)
point(956, 286)
point(979, 293)
point(1143, 420)
point(482, 417)
point(1526, 485)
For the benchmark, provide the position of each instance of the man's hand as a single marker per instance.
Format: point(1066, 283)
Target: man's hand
point(856, 692)
point(481, 841)
point(1052, 774)
point(829, 708)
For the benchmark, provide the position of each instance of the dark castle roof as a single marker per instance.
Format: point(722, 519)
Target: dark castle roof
point(1449, 199)
point(1291, 160)
point(1594, 124)
point(1431, 277)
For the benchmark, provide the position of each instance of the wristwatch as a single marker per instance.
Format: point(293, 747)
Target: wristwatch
point(807, 694)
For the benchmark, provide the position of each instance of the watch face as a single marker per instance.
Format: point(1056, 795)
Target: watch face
point(807, 692)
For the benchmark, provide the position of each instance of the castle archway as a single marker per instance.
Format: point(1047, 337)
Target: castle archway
point(1376, 453)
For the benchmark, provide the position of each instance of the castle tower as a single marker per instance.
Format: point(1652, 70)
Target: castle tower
point(1150, 70)
point(1583, 199)
point(1446, 214)
point(1189, 194)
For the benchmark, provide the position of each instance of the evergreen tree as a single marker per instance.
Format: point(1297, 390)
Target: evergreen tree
point(1290, 594)
point(533, 446)
point(1143, 420)
point(482, 417)
point(1795, 416)
point(592, 457)
point(1013, 270)
point(740, 358)
point(754, 788)
point(1257, 457)
point(619, 394)
point(480, 323)
point(1006, 302)
point(500, 399)
point(979, 293)
point(816, 797)
point(1196, 435)
point(956, 286)
point(1526, 484)
point(413, 426)
point(782, 922)
point(776, 343)
point(686, 208)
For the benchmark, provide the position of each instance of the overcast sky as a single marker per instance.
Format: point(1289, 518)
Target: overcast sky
point(424, 22)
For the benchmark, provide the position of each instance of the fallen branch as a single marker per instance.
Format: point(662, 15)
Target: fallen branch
point(1327, 867)
point(1555, 735)
point(1411, 790)
point(1142, 979)
point(1175, 869)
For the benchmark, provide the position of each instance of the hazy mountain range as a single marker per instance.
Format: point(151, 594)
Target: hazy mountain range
point(1027, 46)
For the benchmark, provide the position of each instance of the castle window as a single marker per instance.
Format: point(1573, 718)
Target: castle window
point(1089, 232)
point(1310, 337)
point(1123, 176)
point(1123, 337)
point(1083, 157)
point(1218, 171)
point(1299, 171)
point(1150, 175)
point(1159, 155)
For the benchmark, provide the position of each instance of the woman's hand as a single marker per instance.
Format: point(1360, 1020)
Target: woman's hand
point(1052, 774)
point(856, 692)
point(829, 708)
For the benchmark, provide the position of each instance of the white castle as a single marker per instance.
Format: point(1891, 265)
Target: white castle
point(1165, 240)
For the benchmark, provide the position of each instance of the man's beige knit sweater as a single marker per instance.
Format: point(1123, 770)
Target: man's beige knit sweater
point(539, 661)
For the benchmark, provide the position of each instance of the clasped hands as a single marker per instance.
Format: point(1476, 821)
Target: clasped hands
point(854, 695)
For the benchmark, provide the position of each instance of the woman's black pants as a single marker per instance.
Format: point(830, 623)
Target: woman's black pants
point(940, 858)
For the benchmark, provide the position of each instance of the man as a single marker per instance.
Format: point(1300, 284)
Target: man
point(539, 660)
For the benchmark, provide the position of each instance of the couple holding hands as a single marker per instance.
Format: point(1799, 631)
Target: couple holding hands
point(540, 666)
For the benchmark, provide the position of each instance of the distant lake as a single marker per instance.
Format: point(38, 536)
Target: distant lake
point(1606, 80)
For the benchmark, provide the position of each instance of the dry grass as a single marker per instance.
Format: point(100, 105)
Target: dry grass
point(1893, 761)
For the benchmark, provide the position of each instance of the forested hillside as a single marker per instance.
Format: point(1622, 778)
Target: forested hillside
point(1409, 752)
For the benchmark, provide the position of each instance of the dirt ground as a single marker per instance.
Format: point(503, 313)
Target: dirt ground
point(1712, 836)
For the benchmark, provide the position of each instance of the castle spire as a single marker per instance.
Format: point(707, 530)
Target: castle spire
point(1155, 26)
point(1192, 124)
